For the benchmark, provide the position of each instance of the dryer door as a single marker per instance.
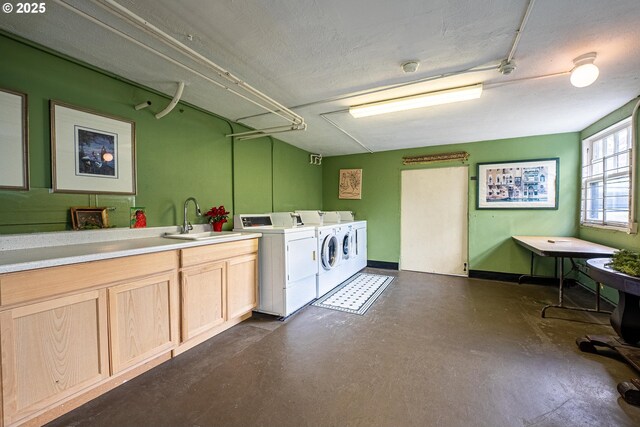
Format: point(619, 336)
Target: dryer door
point(329, 252)
point(302, 261)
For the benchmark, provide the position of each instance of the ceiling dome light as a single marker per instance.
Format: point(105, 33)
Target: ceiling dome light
point(584, 71)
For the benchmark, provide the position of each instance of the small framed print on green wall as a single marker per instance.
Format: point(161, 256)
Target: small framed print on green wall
point(518, 184)
point(350, 186)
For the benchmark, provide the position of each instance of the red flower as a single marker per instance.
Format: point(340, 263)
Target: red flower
point(217, 214)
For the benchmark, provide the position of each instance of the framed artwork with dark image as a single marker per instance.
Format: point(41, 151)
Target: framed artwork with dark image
point(91, 152)
point(87, 218)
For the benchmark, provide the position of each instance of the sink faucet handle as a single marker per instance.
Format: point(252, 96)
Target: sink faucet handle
point(189, 226)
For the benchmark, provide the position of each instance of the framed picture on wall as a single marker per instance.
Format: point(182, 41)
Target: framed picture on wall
point(14, 141)
point(518, 184)
point(350, 186)
point(89, 218)
point(91, 152)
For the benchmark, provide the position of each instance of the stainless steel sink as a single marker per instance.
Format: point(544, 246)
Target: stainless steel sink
point(208, 235)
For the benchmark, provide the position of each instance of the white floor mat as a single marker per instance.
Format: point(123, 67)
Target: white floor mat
point(355, 295)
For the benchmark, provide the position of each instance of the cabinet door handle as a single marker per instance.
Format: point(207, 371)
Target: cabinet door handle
point(314, 255)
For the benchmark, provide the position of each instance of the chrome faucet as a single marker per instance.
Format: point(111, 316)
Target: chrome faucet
point(186, 226)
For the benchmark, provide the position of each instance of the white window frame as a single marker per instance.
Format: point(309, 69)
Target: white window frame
point(589, 176)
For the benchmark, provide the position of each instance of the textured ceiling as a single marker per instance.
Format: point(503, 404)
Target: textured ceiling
point(325, 53)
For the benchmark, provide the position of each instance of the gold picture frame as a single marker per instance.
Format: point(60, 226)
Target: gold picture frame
point(350, 186)
point(89, 218)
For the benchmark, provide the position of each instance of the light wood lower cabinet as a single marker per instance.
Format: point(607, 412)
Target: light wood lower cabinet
point(242, 282)
point(51, 350)
point(203, 298)
point(218, 289)
point(70, 333)
point(142, 320)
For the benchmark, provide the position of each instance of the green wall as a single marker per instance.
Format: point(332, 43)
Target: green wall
point(490, 245)
point(184, 154)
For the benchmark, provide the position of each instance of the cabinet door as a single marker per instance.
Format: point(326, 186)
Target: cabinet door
point(202, 298)
point(242, 285)
point(142, 320)
point(51, 350)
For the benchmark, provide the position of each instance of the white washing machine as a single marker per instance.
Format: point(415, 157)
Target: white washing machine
point(288, 264)
point(346, 240)
point(332, 268)
point(330, 274)
point(357, 243)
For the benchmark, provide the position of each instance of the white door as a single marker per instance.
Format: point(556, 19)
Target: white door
point(433, 228)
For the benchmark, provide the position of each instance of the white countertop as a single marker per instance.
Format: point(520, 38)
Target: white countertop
point(40, 250)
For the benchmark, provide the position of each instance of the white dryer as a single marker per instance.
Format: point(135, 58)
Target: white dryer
point(288, 264)
point(360, 245)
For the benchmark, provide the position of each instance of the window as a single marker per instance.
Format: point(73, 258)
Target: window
point(606, 177)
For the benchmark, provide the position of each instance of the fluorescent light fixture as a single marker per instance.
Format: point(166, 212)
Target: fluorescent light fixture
point(417, 101)
point(584, 71)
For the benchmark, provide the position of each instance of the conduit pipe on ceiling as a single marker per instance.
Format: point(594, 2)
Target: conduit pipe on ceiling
point(334, 124)
point(173, 103)
point(261, 100)
point(241, 136)
point(273, 106)
point(520, 29)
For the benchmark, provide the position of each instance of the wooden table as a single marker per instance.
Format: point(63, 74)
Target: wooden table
point(625, 320)
point(561, 248)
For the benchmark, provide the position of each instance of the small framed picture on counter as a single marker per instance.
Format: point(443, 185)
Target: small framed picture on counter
point(87, 218)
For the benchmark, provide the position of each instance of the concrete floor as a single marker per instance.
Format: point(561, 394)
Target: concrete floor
point(432, 351)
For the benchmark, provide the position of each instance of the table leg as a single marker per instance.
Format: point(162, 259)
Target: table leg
point(524, 277)
point(531, 268)
point(560, 274)
point(626, 317)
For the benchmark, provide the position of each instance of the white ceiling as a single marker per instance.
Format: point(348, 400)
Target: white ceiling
point(324, 52)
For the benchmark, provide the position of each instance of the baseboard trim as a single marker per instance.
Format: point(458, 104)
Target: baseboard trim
point(519, 278)
point(494, 275)
point(382, 264)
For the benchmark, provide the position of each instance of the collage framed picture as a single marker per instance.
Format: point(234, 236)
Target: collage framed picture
point(518, 184)
point(91, 152)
